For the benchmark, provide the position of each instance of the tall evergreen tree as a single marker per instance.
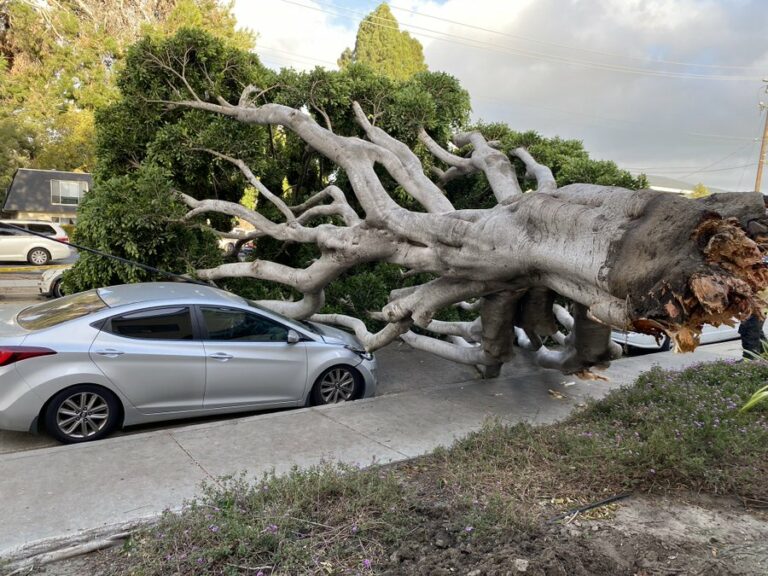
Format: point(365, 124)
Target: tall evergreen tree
point(381, 45)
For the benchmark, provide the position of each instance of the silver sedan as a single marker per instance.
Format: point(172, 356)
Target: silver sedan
point(83, 365)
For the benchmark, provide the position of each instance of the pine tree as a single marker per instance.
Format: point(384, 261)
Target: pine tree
point(381, 45)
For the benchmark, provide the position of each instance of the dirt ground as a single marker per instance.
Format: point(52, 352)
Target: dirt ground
point(640, 536)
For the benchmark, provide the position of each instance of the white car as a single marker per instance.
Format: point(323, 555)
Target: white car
point(709, 335)
point(19, 246)
point(50, 282)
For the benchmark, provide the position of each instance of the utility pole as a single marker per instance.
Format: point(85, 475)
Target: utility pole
point(761, 159)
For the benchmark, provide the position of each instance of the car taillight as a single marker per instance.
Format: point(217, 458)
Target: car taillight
point(62, 238)
point(11, 354)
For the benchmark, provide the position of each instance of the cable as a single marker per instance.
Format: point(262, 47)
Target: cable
point(566, 46)
point(460, 40)
point(106, 255)
point(665, 169)
point(606, 118)
point(739, 149)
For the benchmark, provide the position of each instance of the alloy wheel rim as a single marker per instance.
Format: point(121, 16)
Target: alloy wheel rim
point(82, 415)
point(38, 257)
point(338, 385)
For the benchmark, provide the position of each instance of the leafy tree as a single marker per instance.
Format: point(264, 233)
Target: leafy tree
point(59, 62)
point(138, 217)
point(568, 160)
point(381, 45)
point(699, 191)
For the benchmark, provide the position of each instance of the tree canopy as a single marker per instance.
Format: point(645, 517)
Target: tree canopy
point(381, 45)
point(59, 63)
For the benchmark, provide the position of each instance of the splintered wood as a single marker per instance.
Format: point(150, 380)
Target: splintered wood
point(727, 291)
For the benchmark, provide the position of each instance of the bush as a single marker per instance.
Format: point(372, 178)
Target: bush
point(137, 217)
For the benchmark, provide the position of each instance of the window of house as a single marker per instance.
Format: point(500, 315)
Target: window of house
point(68, 192)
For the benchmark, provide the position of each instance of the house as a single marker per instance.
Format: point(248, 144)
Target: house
point(51, 195)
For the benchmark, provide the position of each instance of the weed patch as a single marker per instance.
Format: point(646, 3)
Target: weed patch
point(489, 494)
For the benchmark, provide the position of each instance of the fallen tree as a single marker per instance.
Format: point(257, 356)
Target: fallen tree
point(642, 260)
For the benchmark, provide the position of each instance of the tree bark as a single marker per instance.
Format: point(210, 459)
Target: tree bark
point(637, 260)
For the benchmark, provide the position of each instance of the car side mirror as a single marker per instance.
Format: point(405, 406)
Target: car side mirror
point(293, 337)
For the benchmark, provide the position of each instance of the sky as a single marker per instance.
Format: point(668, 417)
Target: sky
point(665, 87)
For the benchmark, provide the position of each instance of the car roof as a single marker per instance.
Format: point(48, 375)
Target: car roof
point(12, 221)
point(149, 291)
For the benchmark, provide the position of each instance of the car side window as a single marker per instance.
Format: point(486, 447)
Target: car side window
point(8, 231)
point(157, 324)
point(41, 229)
point(238, 325)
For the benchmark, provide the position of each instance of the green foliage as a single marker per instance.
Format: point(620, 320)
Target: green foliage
point(757, 398)
point(699, 191)
point(569, 161)
point(59, 66)
point(381, 45)
point(140, 127)
point(137, 217)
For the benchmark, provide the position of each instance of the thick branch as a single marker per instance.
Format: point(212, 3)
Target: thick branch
point(494, 164)
point(426, 193)
point(545, 181)
point(371, 341)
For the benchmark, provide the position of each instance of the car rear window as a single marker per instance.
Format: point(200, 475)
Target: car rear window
point(41, 229)
point(60, 310)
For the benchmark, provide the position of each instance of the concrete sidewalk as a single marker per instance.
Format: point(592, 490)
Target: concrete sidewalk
point(61, 492)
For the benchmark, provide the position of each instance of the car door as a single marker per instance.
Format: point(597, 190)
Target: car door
point(13, 244)
point(249, 361)
point(153, 357)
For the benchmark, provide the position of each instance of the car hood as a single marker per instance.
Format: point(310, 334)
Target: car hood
point(333, 335)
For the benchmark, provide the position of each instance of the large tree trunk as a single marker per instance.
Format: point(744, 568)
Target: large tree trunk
point(641, 260)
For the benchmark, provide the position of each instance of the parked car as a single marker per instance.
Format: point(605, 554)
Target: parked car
point(85, 364)
point(709, 335)
point(18, 246)
point(50, 282)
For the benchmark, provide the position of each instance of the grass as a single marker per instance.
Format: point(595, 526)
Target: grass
point(669, 431)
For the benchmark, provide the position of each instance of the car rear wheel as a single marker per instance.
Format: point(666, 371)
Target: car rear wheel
point(666, 344)
point(337, 384)
point(38, 256)
point(229, 249)
point(82, 413)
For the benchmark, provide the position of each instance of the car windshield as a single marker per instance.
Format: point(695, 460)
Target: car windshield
point(60, 310)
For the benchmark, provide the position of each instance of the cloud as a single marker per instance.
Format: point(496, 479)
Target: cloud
point(623, 76)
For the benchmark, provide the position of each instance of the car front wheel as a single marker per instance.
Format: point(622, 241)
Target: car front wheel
point(337, 384)
point(56, 290)
point(38, 256)
point(82, 413)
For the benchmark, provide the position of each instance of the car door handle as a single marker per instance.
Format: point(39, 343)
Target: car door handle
point(110, 353)
point(221, 356)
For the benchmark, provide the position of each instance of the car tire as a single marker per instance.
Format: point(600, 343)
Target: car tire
point(336, 385)
point(56, 290)
point(82, 413)
point(666, 344)
point(38, 256)
point(229, 249)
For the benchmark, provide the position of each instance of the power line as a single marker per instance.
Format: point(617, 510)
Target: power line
point(479, 44)
point(705, 169)
point(630, 124)
point(664, 169)
point(567, 46)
